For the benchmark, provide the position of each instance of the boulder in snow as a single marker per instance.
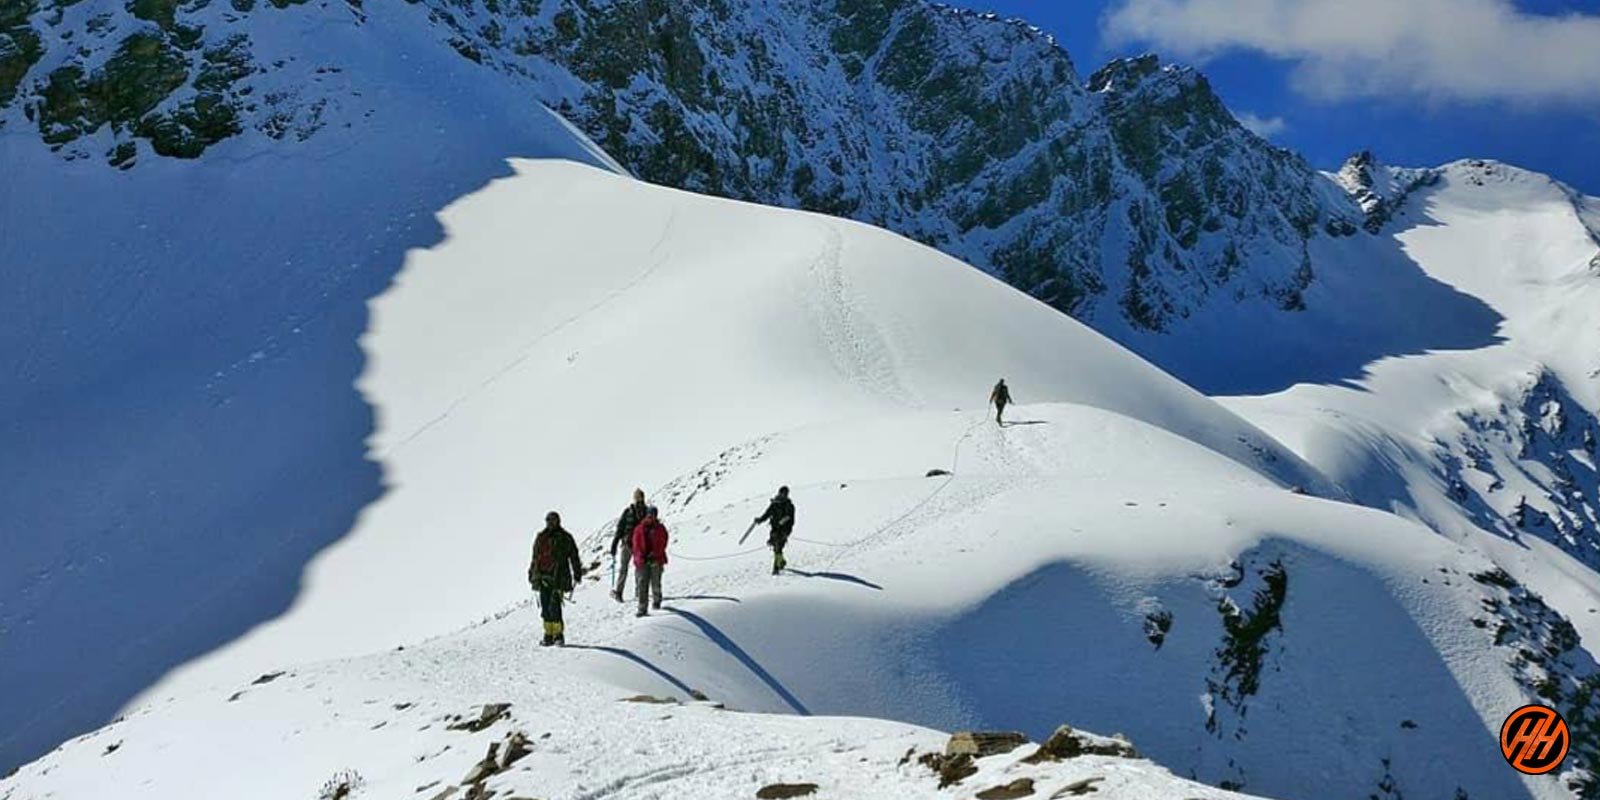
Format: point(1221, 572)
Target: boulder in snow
point(1067, 743)
point(1021, 787)
point(980, 744)
point(778, 791)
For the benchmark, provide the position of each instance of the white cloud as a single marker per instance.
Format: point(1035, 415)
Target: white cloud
point(1437, 49)
point(1265, 127)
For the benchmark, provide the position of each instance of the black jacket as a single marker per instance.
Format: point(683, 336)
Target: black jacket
point(630, 519)
point(1001, 395)
point(555, 560)
point(780, 512)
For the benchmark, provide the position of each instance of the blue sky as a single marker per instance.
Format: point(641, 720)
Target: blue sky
point(1419, 82)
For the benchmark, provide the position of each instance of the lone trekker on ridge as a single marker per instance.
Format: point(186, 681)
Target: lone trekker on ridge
point(554, 571)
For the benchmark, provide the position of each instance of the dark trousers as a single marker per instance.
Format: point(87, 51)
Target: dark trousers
point(777, 544)
point(999, 410)
point(550, 609)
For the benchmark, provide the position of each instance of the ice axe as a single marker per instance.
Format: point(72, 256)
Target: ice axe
point(747, 531)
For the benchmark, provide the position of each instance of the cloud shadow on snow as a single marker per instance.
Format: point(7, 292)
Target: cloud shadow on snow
point(180, 433)
point(1369, 300)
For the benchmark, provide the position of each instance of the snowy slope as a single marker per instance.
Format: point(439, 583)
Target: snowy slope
point(1459, 439)
point(1125, 557)
point(178, 426)
point(1493, 447)
point(627, 337)
point(394, 311)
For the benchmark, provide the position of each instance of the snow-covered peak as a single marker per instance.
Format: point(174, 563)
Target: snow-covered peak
point(1377, 188)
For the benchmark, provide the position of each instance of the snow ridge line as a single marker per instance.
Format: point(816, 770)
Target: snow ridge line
point(528, 347)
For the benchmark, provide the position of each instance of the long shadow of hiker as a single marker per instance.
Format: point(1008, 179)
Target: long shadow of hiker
point(721, 639)
point(641, 661)
point(836, 576)
point(723, 598)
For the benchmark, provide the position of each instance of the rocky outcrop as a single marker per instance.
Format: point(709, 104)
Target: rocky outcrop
point(1067, 743)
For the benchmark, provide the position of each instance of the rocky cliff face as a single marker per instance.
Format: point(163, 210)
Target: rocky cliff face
point(1133, 198)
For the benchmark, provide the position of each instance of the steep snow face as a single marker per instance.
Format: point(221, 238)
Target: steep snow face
point(1494, 446)
point(179, 431)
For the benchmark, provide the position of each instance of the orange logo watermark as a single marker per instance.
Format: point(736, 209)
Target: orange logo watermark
point(1534, 739)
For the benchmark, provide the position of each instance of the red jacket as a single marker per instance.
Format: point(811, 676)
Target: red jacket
point(649, 542)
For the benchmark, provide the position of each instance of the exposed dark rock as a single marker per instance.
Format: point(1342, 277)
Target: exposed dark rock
point(267, 678)
point(1156, 625)
point(517, 748)
point(489, 715)
point(651, 699)
point(935, 473)
point(1067, 743)
point(1077, 788)
point(950, 769)
point(779, 791)
point(490, 765)
point(1021, 787)
point(980, 744)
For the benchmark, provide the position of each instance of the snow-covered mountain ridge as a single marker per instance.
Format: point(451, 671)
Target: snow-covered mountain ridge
point(1127, 556)
point(1131, 199)
point(181, 437)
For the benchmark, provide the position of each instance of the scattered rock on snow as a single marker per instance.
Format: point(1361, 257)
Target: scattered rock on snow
point(979, 744)
point(950, 769)
point(1067, 743)
point(778, 791)
point(267, 678)
point(1077, 788)
point(934, 473)
point(112, 748)
point(1021, 787)
point(487, 716)
point(652, 699)
point(516, 748)
point(485, 768)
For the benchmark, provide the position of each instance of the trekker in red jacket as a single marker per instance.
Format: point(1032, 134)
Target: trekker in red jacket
point(649, 557)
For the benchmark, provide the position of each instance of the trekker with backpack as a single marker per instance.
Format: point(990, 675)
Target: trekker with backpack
point(780, 512)
point(630, 519)
point(649, 557)
point(1000, 398)
point(553, 573)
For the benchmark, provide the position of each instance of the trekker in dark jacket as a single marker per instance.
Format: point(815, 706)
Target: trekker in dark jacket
point(649, 557)
point(554, 571)
point(630, 519)
point(780, 512)
point(1000, 398)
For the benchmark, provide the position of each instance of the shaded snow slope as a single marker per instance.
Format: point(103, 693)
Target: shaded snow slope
point(1459, 440)
point(179, 432)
